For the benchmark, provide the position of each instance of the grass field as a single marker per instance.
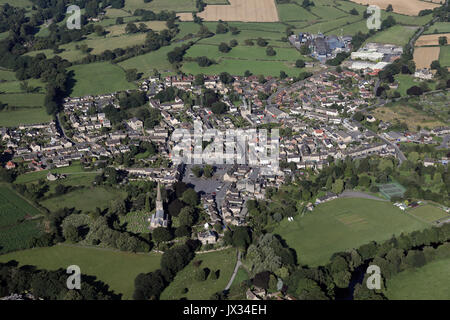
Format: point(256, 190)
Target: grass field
point(398, 35)
point(147, 62)
point(341, 225)
point(428, 213)
point(14, 118)
point(7, 75)
point(23, 99)
point(17, 3)
point(429, 282)
point(16, 228)
point(202, 290)
point(115, 268)
point(444, 56)
point(403, 113)
point(438, 27)
point(86, 199)
point(98, 78)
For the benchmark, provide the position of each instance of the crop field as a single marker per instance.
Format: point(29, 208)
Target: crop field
point(242, 10)
point(423, 56)
point(202, 290)
point(429, 213)
point(431, 39)
point(429, 282)
point(86, 199)
point(16, 225)
point(398, 35)
point(98, 78)
point(444, 56)
point(115, 268)
point(408, 7)
point(341, 225)
point(160, 5)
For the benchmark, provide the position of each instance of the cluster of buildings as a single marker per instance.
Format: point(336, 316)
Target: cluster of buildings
point(374, 57)
point(322, 47)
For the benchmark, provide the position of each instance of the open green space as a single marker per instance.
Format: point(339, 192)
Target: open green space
point(202, 290)
point(429, 282)
point(7, 75)
point(17, 3)
point(98, 78)
point(343, 224)
point(438, 27)
point(16, 225)
point(23, 99)
point(398, 35)
point(115, 268)
point(428, 213)
point(22, 116)
point(444, 56)
point(85, 199)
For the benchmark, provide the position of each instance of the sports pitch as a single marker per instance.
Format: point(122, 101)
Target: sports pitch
point(343, 224)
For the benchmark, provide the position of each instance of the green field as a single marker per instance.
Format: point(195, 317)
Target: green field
point(17, 3)
point(23, 99)
point(16, 228)
point(341, 225)
point(75, 168)
point(147, 62)
point(202, 290)
point(429, 282)
point(398, 35)
point(428, 213)
point(440, 27)
point(115, 268)
point(86, 199)
point(13, 118)
point(7, 75)
point(444, 56)
point(98, 78)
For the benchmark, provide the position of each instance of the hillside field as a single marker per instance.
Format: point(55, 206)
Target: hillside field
point(98, 78)
point(115, 268)
point(429, 282)
point(202, 290)
point(343, 224)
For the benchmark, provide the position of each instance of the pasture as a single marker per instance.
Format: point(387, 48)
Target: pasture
point(398, 35)
point(407, 7)
point(98, 78)
point(423, 56)
point(22, 116)
point(160, 5)
point(429, 282)
point(17, 224)
point(85, 199)
point(202, 290)
point(429, 213)
point(438, 27)
point(343, 224)
point(115, 268)
point(444, 56)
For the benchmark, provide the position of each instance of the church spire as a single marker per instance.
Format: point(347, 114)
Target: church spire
point(158, 193)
